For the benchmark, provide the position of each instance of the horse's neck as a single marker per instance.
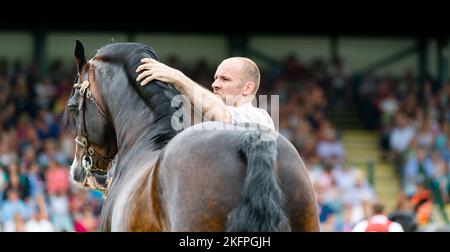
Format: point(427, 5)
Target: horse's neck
point(142, 137)
point(136, 142)
point(132, 175)
point(137, 155)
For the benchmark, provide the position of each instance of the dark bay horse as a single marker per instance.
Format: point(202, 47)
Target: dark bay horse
point(159, 178)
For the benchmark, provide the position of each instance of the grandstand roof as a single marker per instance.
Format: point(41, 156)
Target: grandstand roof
point(365, 18)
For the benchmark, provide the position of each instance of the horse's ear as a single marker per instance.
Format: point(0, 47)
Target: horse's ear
point(79, 55)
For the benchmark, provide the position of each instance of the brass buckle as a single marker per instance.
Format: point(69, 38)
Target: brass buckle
point(91, 151)
point(84, 86)
point(86, 163)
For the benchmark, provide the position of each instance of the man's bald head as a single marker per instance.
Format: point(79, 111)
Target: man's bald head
point(249, 70)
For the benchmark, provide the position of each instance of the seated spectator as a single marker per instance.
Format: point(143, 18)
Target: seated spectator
point(402, 134)
point(57, 178)
point(47, 128)
point(404, 214)
point(418, 166)
point(14, 205)
point(399, 141)
point(389, 107)
point(378, 222)
point(60, 212)
point(16, 225)
point(85, 221)
point(51, 151)
point(39, 221)
point(329, 148)
point(423, 203)
point(361, 197)
point(36, 179)
point(7, 152)
point(17, 181)
point(425, 136)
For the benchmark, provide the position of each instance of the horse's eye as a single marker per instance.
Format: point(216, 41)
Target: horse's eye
point(73, 109)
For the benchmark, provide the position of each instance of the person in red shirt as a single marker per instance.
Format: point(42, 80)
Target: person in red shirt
point(57, 178)
point(379, 222)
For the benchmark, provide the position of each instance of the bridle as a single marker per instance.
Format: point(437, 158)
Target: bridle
point(93, 161)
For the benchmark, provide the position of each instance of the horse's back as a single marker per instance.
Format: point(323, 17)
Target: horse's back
point(202, 173)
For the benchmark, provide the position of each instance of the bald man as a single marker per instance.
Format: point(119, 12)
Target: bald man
point(236, 82)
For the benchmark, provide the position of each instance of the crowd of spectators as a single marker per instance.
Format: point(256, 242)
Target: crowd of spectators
point(414, 136)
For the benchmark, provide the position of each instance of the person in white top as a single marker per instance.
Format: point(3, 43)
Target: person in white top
point(39, 224)
point(379, 222)
point(235, 85)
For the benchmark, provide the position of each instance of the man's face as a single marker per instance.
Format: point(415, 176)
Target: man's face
point(228, 79)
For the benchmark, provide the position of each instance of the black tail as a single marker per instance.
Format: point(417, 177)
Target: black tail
point(260, 208)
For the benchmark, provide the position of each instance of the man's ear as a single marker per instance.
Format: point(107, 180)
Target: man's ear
point(249, 87)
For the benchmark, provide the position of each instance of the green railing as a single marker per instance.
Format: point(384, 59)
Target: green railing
point(371, 172)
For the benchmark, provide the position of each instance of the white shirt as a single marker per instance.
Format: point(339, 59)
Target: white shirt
point(59, 205)
point(246, 113)
point(401, 137)
point(38, 226)
point(328, 149)
point(381, 219)
point(389, 106)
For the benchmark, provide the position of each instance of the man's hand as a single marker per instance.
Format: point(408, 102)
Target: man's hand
point(154, 70)
point(212, 107)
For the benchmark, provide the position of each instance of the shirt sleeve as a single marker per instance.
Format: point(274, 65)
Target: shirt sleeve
point(395, 227)
point(360, 227)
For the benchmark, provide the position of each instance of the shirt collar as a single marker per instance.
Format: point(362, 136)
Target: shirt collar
point(246, 105)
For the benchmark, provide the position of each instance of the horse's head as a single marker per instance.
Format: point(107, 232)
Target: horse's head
point(114, 115)
point(96, 141)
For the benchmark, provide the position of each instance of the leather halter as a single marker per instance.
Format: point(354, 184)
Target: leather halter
point(93, 162)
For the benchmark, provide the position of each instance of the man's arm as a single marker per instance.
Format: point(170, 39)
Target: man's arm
point(212, 107)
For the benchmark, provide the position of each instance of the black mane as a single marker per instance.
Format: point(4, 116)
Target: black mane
point(156, 95)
